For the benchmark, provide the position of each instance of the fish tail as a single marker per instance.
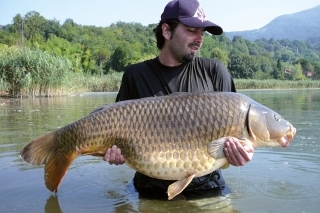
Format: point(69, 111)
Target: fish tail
point(55, 169)
point(44, 150)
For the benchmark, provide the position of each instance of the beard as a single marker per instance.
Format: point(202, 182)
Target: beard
point(190, 56)
point(184, 53)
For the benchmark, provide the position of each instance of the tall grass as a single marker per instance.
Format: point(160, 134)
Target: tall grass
point(108, 83)
point(275, 84)
point(25, 72)
point(77, 83)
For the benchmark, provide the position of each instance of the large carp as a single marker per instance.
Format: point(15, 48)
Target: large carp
point(174, 137)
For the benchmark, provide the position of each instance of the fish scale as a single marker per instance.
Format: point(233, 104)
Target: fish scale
point(174, 137)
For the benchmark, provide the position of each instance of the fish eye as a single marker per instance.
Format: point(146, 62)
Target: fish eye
point(277, 117)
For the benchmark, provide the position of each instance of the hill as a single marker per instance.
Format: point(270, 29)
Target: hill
point(296, 26)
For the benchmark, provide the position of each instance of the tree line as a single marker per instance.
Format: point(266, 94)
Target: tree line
point(102, 50)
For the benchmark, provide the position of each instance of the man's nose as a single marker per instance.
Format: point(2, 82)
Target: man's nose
point(199, 37)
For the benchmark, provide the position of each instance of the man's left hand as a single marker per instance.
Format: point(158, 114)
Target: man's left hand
point(236, 154)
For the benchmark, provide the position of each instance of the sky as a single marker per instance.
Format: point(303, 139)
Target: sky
point(231, 15)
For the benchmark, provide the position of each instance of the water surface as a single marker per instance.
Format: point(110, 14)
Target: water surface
point(276, 180)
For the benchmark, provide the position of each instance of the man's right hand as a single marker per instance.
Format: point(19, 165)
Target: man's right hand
point(113, 156)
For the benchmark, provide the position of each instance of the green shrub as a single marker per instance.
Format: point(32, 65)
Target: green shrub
point(31, 72)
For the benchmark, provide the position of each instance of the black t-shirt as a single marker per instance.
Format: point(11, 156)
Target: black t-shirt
point(151, 78)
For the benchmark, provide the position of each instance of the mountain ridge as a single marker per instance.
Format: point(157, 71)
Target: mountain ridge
point(297, 26)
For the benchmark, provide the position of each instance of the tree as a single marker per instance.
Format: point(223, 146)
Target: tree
point(286, 55)
point(259, 75)
point(33, 23)
point(121, 57)
point(278, 72)
point(221, 55)
point(69, 31)
point(240, 45)
point(8, 38)
point(297, 73)
point(51, 27)
point(316, 73)
point(242, 66)
point(17, 28)
point(265, 65)
point(103, 55)
point(87, 62)
point(61, 47)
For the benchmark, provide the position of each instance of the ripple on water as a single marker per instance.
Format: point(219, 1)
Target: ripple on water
point(18, 192)
point(276, 179)
point(101, 186)
point(179, 204)
point(112, 189)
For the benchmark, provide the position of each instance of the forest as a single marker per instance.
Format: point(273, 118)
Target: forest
point(37, 54)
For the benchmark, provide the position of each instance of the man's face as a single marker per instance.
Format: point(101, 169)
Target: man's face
point(185, 42)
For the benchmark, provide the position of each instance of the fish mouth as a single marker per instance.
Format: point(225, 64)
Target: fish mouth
point(285, 140)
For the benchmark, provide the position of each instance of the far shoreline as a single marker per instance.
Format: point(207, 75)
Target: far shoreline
point(116, 92)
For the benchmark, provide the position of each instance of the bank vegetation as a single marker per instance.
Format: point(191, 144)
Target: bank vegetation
point(40, 57)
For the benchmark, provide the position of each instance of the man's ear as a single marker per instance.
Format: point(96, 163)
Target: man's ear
point(166, 31)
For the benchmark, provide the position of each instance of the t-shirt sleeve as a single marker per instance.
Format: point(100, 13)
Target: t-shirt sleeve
point(124, 92)
point(129, 88)
point(140, 81)
point(222, 77)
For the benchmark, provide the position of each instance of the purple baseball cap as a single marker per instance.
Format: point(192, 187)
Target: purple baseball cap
point(191, 14)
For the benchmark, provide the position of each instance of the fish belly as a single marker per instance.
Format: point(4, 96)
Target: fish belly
point(176, 165)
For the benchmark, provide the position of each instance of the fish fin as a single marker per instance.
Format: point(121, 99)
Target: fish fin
point(177, 187)
point(245, 142)
point(97, 110)
point(40, 150)
point(56, 168)
point(215, 148)
point(225, 166)
point(96, 153)
point(44, 150)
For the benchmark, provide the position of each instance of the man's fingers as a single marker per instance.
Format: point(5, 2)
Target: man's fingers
point(113, 154)
point(237, 154)
point(106, 157)
point(231, 153)
point(241, 154)
point(121, 159)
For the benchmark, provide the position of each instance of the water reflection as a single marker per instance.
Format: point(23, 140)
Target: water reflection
point(214, 204)
point(276, 180)
point(52, 205)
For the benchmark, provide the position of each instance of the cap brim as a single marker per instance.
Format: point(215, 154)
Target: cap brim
point(196, 23)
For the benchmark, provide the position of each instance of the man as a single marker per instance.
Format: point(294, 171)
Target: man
point(177, 69)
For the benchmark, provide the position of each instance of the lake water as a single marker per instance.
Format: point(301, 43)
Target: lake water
point(276, 180)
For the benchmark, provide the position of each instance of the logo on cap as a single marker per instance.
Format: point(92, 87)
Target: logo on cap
point(200, 14)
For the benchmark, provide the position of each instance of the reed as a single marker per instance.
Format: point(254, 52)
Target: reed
point(26, 72)
point(275, 84)
point(107, 83)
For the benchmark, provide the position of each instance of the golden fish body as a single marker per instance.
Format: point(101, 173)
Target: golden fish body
point(174, 137)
